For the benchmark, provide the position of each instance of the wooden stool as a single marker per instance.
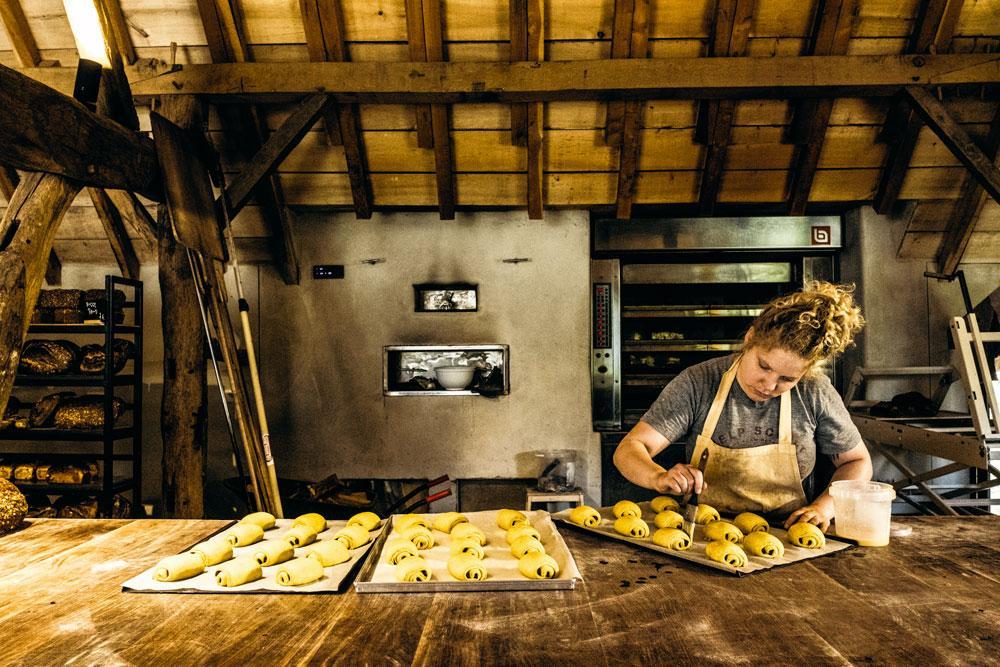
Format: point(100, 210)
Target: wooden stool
point(574, 498)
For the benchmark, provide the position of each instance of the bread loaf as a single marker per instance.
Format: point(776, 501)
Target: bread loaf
point(13, 507)
point(59, 298)
point(92, 356)
point(86, 412)
point(68, 474)
point(24, 472)
point(44, 408)
point(48, 357)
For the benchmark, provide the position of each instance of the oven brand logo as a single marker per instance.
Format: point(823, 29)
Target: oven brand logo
point(821, 235)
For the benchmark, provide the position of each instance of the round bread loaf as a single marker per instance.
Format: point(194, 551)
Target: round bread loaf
point(13, 507)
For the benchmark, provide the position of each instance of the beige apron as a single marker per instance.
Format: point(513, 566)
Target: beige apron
point(753, 479)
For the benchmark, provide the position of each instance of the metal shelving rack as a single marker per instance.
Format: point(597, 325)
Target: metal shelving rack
point(109, 485)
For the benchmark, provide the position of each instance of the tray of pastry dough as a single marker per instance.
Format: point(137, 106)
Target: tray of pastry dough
point(494, 550)
point(741, 545)
point(261, 554)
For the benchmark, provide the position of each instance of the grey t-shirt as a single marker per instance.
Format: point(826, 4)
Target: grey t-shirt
point(819, 417)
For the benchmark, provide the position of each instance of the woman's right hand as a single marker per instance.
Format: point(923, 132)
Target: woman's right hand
point(681, 479)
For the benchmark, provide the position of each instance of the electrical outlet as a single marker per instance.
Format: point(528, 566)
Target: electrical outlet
point(328, 271)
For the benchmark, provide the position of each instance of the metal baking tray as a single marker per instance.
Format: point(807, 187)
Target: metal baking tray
point(696, 552)
point(335, 578)
point(377, 576)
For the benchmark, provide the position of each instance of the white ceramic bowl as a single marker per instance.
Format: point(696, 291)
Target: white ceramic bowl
point(454, 378)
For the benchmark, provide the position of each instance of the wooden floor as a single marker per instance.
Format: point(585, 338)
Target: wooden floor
point(932, 598)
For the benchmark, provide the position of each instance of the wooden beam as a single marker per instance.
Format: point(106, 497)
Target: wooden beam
point(444, 163)
point(8, 184)
point(43, 130)
point(416, 40)
point(621, 39)
point(136, 216)
point(631, 121)
point(731, 32)
point(833, 26)
point(956, 139)
point(223, 29)
point(932, 33)
point(114, 227)
point(967, 209)
point(518, 53)
point(20, 33)
point(53, 270)
point(651, 78)
point(535, 113)
point(119, 30)
point(278, 146)
point(324, 26)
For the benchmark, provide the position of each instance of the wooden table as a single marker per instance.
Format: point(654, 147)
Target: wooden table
point(930, 598)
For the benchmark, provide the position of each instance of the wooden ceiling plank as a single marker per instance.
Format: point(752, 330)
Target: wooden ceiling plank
point(831, 35)
point(444, 163)
point(416, 41)
point(98, 152)
point(731, 32)
point(535, 111)
point(518, 52)
point(932, 34)
point(114, 227)
point(20, 33)
point(954, 136)
point(621, 37)
point(8, 183)
point(119, 28)
point(962, 222)
point(270, 155)
point(325, 40)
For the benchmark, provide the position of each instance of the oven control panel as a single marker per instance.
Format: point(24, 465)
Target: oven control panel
point(604, 349)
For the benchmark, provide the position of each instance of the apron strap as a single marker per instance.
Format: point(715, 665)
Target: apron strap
point(712, 420)
point(785, 419)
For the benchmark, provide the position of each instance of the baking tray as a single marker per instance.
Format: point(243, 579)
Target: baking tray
point(696, 552)
point(377, 576)
point(335, 578)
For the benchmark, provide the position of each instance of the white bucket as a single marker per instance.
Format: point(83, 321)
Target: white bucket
point(862, 511)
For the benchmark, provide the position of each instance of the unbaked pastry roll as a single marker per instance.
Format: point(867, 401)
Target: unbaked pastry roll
point(421, 537)
point(446, 521)
point(468, 545)
point(299, 571)
point(585, 515)
point(243, 534)
point(328, 552)
point(273, 552)
point(668, 519)
point(238, 571)
point(398, 548)
point(662, 503)
point(299, 536)
point(626, 508)
point(674, 539)
point(408, 520)
point(748, 522)
point(369, 520)
point(723, 530)
point(520, 531)
point(263, 519)
point(763, 544)
point(316, 522)
point(466, 567)
point(507, 519)
point(181, 566)
point(632, 526)
point(726, 552)
point(413, 569)
point(525, 545)
point(705, 514)
point(538, 566)
point(353, 536)
point(213, 551)
point(806, 535)
point(468, 530)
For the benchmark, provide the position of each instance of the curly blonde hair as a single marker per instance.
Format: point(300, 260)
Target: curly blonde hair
point(817, 323)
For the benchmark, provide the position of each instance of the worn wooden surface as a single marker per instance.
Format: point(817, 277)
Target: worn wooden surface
point(930, 598)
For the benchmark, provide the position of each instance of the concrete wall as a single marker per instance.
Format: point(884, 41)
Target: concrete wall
point(320, 349)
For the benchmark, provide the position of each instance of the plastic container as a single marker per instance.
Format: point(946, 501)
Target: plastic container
point(862, 511)
point(557, 470)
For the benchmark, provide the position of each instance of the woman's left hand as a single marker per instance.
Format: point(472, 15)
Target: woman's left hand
point(815, 513)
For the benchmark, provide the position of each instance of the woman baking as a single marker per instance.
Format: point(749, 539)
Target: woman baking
point(762, 414)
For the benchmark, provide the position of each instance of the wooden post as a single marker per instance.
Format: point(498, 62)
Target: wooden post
point(29, 225)
point(183, 409)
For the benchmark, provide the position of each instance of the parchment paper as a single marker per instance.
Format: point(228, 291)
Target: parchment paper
point(379, 576)
point(334, 578)
point(696, 552)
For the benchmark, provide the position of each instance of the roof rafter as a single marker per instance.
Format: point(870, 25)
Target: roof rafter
point(444, 162)
point(20, 33)
point(416, 41)
point(535, 113)
point(8, 183)
point(627, 130)
point(518, 15)
point(932, 33)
